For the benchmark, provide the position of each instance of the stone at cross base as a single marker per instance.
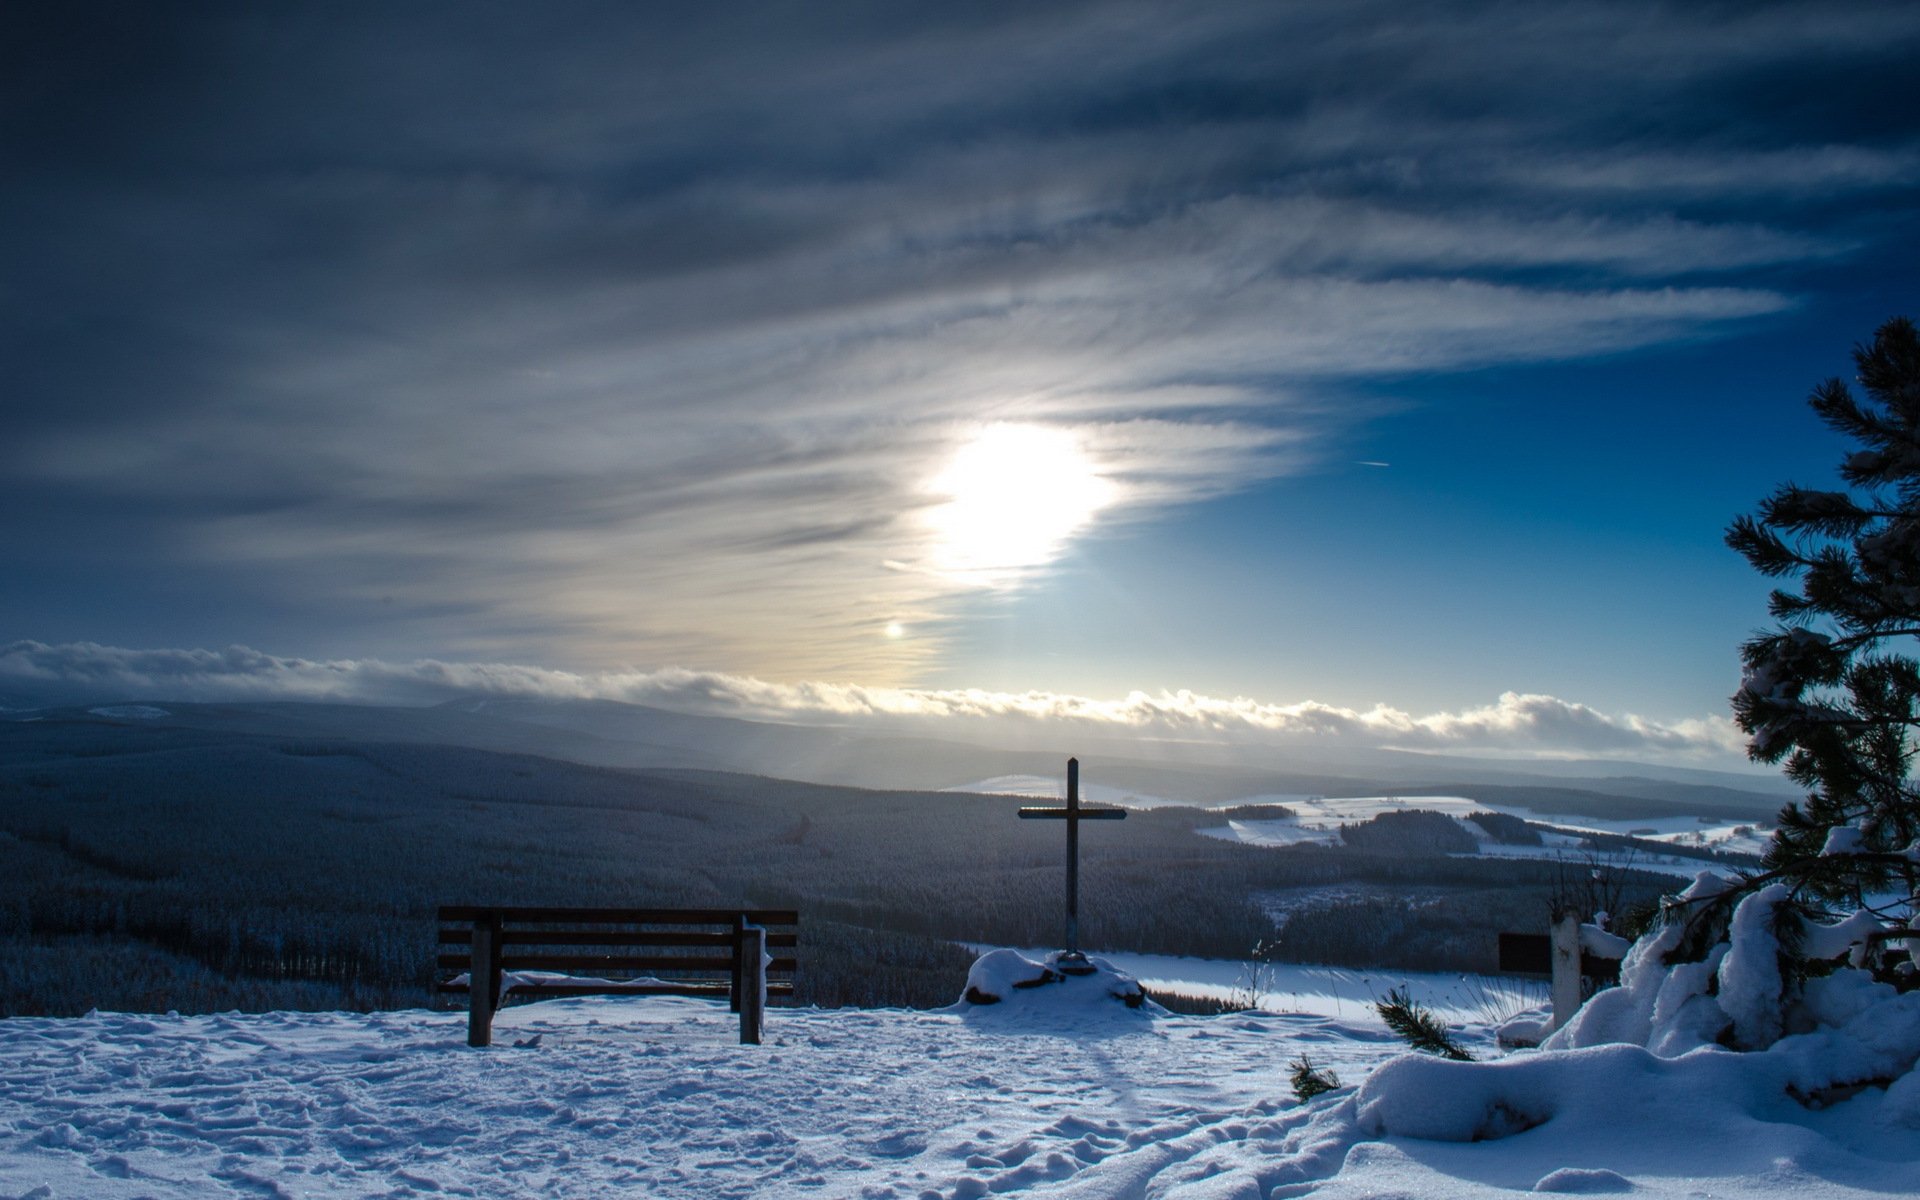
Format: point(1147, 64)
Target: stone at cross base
point(1002, 975)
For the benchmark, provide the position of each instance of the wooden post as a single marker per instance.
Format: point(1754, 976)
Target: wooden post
point(1073, 856)
point(751, 963)
point(1565, 939)
point(483, 979)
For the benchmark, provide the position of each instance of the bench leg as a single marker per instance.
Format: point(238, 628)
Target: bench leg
point(483, 982)
point(751, 958)
point(738, 982)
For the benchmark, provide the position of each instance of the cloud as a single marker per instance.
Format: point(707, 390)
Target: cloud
point(646, 355)
point(1516, 724)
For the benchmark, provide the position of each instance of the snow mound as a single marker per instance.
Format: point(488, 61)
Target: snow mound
point(1575, 1180)
point(1052, 982)
point(1785, 1083)
point(1605, 1119)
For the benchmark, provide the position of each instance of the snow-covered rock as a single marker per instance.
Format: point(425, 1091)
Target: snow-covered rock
point(1002, 975)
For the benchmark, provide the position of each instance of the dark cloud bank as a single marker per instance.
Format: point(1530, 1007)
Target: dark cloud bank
point(579, 332)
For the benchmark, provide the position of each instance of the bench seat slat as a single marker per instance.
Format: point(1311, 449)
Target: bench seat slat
point(600, 963)
point(622, 916)
point(603, 937)
point(662, 988)
point(589, 989)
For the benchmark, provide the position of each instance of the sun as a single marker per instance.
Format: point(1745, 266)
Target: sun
point(1010, 499)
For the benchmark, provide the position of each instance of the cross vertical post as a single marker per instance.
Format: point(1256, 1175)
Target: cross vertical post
point(1073, 856)
point(1073, 961)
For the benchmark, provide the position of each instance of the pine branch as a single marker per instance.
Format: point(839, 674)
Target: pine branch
point(1417, 1027)
point(1804, 510)
point(1308, 1081)
point(1764, 549)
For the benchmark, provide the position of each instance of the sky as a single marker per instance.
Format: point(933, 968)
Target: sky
point(1278, 367)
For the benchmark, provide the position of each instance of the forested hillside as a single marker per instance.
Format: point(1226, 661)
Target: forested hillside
point(158, 868)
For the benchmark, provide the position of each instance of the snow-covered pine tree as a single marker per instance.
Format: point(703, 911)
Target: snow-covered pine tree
point(1833, 690)
point(1810, 945)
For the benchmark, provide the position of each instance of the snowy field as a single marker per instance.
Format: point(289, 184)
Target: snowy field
point(1056, 1093)
point(1318, 819)
point(1338, 992)
point(1052, 789)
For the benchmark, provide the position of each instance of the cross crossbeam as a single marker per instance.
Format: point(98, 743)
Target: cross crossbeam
point(1073, 814)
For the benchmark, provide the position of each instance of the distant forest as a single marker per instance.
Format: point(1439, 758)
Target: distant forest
point(151, 869)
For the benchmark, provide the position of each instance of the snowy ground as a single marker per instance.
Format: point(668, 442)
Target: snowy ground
point(1052, 1095)
point(646, 1097)
point(1339, 992)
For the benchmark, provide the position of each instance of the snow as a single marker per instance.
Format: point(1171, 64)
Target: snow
point(655, 1097)
point(1596, 941)
point(1053, 1094)
point(1051, 980)
point(998, 974)
point(1317, 819)
point(1338, 992)
point(1844, 839)
point(1272, 833)
point(1843, 937)
point(1049, 787)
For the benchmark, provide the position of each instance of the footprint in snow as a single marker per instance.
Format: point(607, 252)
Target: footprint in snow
point(897, 1145)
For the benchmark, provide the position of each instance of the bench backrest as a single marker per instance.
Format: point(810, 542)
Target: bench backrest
point(626, 951)
point(1532, 954)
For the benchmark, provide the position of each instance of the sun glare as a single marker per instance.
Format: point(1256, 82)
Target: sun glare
point(1012, 497)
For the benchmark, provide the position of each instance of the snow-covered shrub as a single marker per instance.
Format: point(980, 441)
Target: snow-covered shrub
point(1740, 966)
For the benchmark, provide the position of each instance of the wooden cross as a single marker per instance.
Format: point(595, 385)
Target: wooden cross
point(1073, 814)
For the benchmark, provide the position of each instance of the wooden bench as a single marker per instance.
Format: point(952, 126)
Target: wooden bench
point(1562, 954)
point(534, 953)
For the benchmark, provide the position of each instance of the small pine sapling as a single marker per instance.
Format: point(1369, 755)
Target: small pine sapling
point(1309, 1081)
point(1416, 1026)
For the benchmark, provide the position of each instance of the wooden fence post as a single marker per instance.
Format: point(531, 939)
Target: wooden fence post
point(751, 962)
point(483, 979)
point(1565, 948)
